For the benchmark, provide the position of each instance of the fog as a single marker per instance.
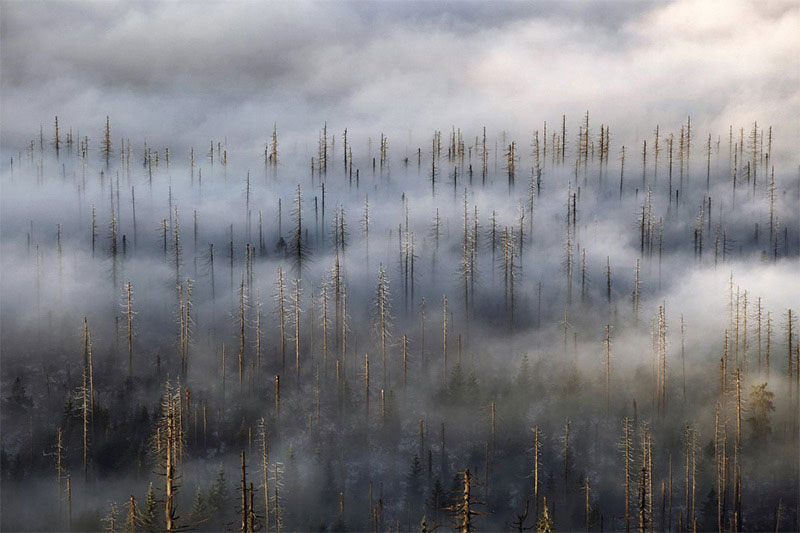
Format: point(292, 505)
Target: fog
point(421, 264)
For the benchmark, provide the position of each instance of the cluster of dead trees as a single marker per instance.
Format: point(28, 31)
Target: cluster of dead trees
point(335, 355)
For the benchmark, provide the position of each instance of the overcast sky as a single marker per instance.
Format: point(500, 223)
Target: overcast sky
point(180, 73)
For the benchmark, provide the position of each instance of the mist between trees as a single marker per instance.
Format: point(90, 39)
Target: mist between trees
point(546, 330)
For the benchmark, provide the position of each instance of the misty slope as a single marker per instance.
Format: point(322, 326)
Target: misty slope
point(583, 323)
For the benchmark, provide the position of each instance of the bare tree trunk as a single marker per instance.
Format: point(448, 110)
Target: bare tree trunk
point(626, 443)
point(244, 495)
point(608, 367)
point(129, 315)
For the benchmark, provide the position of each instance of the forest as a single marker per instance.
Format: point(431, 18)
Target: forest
point(400, 266)
point(480, 332)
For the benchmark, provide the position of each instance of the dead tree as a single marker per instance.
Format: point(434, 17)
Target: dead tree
point(383, 316)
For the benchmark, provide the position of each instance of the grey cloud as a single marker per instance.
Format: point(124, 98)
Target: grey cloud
point(397, 66)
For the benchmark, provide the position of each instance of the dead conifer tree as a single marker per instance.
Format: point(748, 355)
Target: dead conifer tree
point(636, 294)
point(790, 348)
point(644, 498)
point(621, 170)
point(588, 505)
point(299, 249)
point(627, 454)
point(296, 302)
point(608, 366)
point(683, 357)
point(324, 299)
point(94, 229)
point(59, 455)
point(241, 331)
point(282, 317)
point(265, 472)
point(484, 157)
point(769, 341)
point(569, 264)
point(444, 337)
point(167, 444)
point(644, 163)
point(86, 396)
point(405, 359)
point(462, 510)
point(276, 509)
point(583, 275)
point(107, 142)
point(365, 226)
point(129, 317)
point(537, 435)
point(69, 501)
point(383, 316)
point(243, 496)
point(344, 328)
point(184, 314)
point(273, 149)
point(56, 139)
point(258, 329)
point(277, 397)
point(366, 387)
point(565, 440)
point(758, 332)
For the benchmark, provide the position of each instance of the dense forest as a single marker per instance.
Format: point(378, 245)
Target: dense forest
point(553, 329)
point(400, 266)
